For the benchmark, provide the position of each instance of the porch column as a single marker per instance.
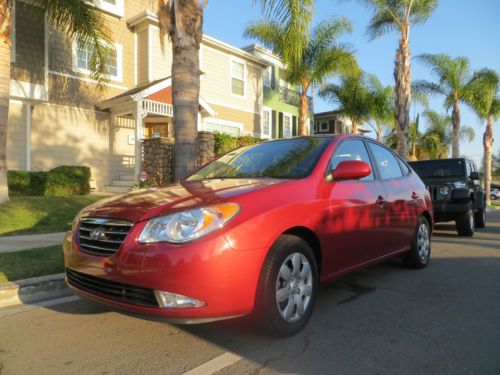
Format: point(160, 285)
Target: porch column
point(138, 117)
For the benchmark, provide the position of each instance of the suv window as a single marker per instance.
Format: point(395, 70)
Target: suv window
point(469, 168)
point(387, 163)
point(404, 166)
point(352, 149)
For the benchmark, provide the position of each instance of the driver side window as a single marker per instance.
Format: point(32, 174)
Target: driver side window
point(352, 149)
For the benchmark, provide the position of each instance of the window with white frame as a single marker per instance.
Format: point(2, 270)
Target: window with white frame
point(237, 78)
point(114, 63)
point(221, 126)
point(267, 122)
point(268, 76)
point(324, 127)
point(287, 125)
point(116, 7)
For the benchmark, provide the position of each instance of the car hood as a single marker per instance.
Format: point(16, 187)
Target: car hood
point(147, 203)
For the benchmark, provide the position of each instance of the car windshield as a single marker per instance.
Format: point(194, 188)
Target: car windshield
point(288, 159)
point(439, 168)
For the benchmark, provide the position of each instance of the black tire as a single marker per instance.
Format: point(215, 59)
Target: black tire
point(493, 197)
point(417, 256)
point(465, 223)
point(480, 218)
point(266, 314)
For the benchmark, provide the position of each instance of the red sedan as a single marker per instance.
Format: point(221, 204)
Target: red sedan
point(254, 231)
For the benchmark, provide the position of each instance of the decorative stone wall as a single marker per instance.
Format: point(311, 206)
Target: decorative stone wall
point(205, 144)
point(158, 160)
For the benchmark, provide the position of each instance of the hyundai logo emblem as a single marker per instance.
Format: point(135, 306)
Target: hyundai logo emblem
point(98, 234)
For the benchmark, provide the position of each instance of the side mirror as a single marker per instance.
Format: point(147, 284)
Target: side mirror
point(474, 176)
point(351, 170)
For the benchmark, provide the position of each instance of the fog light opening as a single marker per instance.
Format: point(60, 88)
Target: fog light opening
point(168, 300)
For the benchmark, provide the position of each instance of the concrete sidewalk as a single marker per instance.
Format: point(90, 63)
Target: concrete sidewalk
point(17, 243)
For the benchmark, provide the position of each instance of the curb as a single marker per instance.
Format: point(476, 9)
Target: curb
point(33, 290)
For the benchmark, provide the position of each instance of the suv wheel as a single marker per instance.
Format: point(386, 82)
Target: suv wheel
point(493, 197)
point(480, 218)
point(287, 287)
point(420, 252)
point(465, 222)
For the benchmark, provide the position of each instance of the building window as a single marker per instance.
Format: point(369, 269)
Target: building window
point(222, 126)
point(287, 125)
point(237, 78)
point(268, 76)
point(267, 123)
point(83, 60)
point(324, 127)
point(116, 7)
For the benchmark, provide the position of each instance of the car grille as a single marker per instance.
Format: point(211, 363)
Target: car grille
point(102, 236)
point(110, 289)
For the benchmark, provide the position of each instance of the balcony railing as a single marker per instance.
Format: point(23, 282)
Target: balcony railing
point(157, 108)
point(292, 97)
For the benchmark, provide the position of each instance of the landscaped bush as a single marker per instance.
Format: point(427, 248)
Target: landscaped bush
point(225, 142)
point(62, 181)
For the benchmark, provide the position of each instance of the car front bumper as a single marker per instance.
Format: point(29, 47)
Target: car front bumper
point(447, 211)
point(207, 270)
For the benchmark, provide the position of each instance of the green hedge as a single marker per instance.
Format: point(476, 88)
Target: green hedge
point(62, 181)
point(225, 142)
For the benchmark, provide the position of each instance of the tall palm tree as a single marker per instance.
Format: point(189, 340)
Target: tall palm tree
point(454, 81)
point(322, 57)
point(81, 20)
point(294, 19)
point(352, 97)
point(382, 109)
point(182, 21)
point(438, 134)
point(486, 104)
point(399, 16)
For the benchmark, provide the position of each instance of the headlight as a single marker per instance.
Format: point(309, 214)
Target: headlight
point(444, 190)
point(188, 225)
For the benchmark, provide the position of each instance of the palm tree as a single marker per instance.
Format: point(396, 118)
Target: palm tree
point(323, 55)
point(455, 82)
point(352, 97)
point(81, 20)
point(182, 21)
point(438, 135)
point(381, 111)
point(293, 18)
point(486, 104)
point(392, 15)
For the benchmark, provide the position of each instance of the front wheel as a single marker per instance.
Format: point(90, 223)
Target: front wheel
point(480, 218)
point(465, 223)
point(493, 197)
point(420, 252)
point(287, 287)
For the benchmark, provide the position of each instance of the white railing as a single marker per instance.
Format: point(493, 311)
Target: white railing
point(157, 108)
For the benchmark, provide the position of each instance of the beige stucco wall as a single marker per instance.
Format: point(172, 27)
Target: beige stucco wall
point(161, 61)
point(16, 136)
point(70, 136)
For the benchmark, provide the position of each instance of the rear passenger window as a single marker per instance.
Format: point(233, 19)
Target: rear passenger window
point(351, 150)
point(386, 162)
point(404, 167)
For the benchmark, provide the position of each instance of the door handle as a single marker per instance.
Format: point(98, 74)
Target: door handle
point(414, 195)
point(381, 201)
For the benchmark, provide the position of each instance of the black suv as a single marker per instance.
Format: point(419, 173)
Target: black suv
point(456, 194)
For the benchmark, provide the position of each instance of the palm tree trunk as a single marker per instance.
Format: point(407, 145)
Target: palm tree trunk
point(354, 129)
point(379, 131)
point(303, 108)
point(487, 144)
point(5, 51)
point(455, 120)
point(402, 76)
point(185, 28)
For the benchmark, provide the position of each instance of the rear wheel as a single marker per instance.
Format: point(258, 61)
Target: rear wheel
point(287, 287)
point(465, 223)
point(420, 252)
point(493, 197)
point(480, 218)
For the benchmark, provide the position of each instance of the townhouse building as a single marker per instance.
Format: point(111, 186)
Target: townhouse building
point(59, 115)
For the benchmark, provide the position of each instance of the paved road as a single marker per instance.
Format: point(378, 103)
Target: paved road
point(383, 320)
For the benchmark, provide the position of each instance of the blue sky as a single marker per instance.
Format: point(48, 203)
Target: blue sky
point(457, 28)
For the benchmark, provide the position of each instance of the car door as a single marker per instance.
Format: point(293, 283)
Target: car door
point(357, 212)
point(402, 199)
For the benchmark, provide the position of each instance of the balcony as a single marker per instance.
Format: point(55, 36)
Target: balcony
point(292, 97)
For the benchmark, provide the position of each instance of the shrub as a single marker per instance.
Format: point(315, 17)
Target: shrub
point(225, 142)
point(59, 182)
